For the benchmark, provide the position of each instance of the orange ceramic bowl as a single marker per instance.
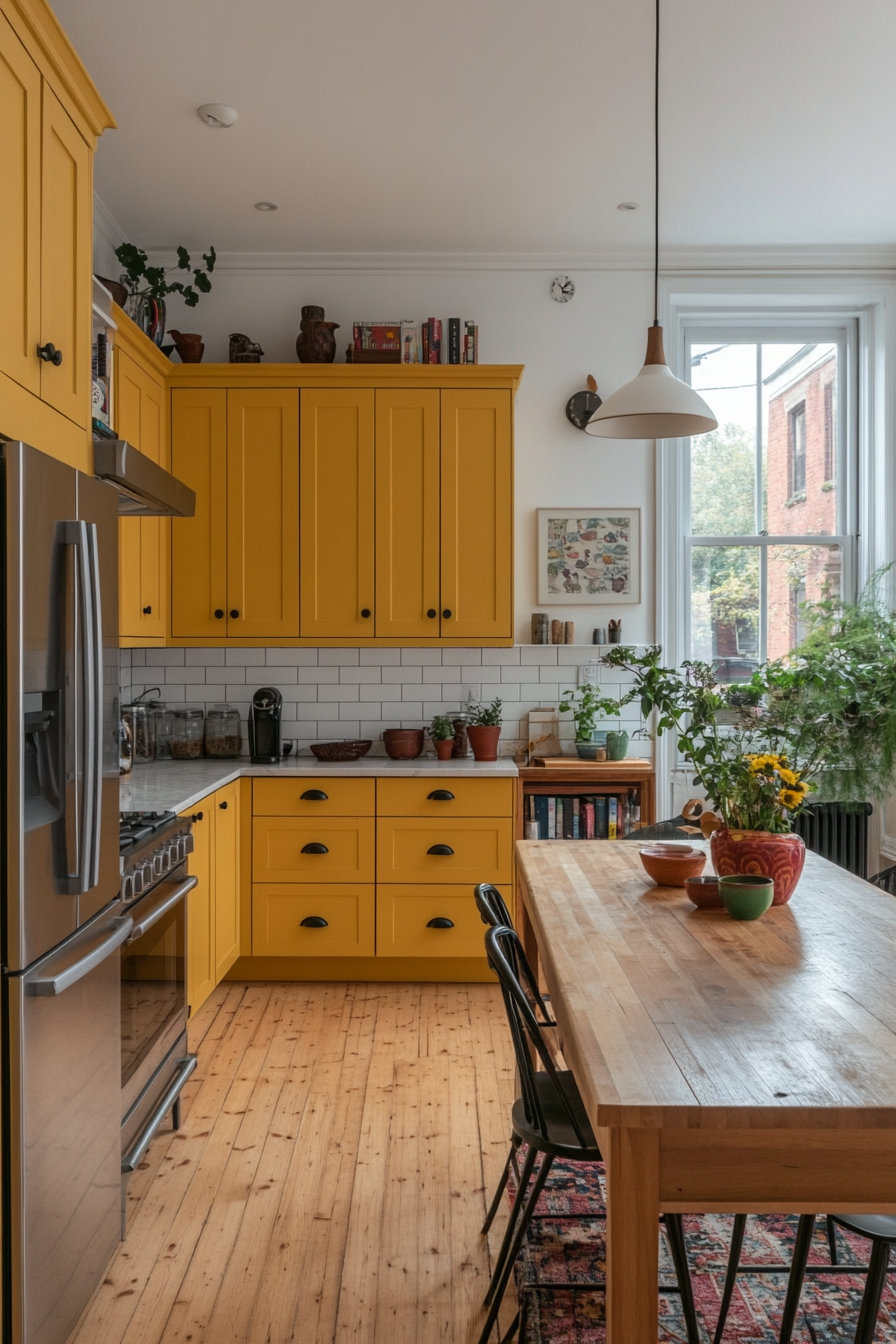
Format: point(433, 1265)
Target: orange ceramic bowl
point(672, 869)
point(704, 892)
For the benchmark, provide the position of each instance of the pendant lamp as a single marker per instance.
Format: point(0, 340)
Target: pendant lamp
point(655, 404)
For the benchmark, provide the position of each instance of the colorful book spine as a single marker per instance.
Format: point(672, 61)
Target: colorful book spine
point(476, 345)
point(454, 340)
point(552, 818)
point(424, 342)
point(435, 340)
point(541, 815)
point(601, 817)
point(588, 808)
point(612, 815)
point(469, 343)
point(576, 818)
point(408, 341)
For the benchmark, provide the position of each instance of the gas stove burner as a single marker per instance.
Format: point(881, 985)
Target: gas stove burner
point(136, 826)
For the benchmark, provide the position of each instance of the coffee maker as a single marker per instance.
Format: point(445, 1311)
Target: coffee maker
point(265, 714)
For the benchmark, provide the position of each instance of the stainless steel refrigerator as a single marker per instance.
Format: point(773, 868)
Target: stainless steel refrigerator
point(62, 924)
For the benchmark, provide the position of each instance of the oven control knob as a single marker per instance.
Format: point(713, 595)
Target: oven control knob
point(188, 844)
point(158, 863)
point(127, 887)
point(138, 877)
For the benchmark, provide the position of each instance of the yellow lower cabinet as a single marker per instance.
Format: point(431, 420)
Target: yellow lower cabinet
point(226, 806)
point(456, 797)
point(433, 921)
point(313, 797)
point(460, 849)
point(311, 920)
point(201, 907)
point(324, 849)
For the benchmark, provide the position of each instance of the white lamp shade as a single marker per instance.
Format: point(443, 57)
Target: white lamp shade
point(654, 405)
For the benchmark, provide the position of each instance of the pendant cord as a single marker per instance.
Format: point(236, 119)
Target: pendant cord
point(656, 173)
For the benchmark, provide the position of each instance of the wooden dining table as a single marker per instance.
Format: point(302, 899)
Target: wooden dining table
point(725, 1065)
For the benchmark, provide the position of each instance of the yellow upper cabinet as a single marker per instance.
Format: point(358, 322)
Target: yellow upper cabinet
point(477, 514)
point(262, 514)
point(337, 513)
point(50, 117)
point(407, 513)
point(234, 566)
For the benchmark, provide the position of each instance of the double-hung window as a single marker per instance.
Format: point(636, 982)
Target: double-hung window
point(772, 499)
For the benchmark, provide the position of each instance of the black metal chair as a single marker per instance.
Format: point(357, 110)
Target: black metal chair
point(550, 1119)
point(886, 880)
point(879, 1228)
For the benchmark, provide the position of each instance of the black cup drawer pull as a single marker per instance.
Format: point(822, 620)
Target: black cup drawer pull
point(315, 847)
point(314, 796)
point(440, 796)
point(314, 922)
point(440, 849)
point(440, 922)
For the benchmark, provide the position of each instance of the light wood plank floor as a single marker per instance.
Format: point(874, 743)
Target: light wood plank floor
point(339, 1146)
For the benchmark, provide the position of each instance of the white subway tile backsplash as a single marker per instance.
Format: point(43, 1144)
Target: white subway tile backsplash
point(521, 675)
point(380, 657)
point(165, 657)
point(385, 694)
point(538, 655)
point(327, 693)
point(318, 675)
point(244, 657)
point(461, 657)
point(173, 675)
point(291, 657)
point(421, 657)
point(441, 674)
point(215, 675)
point(338, 657)
point(402, 674)
point(501, 657)
point(357, 675)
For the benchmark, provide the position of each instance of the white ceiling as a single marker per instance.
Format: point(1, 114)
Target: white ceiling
point(493, 125)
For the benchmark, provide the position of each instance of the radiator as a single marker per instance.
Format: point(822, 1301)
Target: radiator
point(837, 832)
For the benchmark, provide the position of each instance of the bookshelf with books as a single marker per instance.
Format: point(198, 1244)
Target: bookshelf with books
point(404, 342)
point(581, 803)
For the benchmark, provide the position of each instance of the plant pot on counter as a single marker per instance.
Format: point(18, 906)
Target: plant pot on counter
point(484, 741)
point(403, 744)
point(444, 747)
point(760, 853)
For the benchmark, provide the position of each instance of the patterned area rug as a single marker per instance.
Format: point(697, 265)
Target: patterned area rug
point(567, 1250)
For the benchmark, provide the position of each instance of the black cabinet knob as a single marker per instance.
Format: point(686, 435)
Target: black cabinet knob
point(440, 922)
point(432, 613)
point(365, 612)
point(315, 847)
point(147, 611)
point(440, 796)
point(49, 354)
point(314, 922)
point(440, 849)
point(447, 614)
point(314, 796)
point(219, 614)
point(197, 816)
point(234, 613)
point(223, 807)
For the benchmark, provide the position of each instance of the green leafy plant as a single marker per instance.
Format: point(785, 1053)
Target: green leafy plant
point(483, 716)
point(588, 707)
point(151, 282)
point(441, 729)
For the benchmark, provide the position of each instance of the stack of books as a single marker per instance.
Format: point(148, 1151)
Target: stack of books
point(585, 817)
point(403, 342)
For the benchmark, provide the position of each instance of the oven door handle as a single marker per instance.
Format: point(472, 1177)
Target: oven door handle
point(134, 1156)
point(159, 906)
point(59, 974)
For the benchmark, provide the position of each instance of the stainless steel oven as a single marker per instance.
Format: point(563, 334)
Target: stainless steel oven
point(155, 1060)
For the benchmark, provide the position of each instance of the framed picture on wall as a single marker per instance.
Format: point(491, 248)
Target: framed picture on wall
point(588, 556)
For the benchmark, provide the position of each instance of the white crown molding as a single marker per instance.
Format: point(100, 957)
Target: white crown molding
point(105, 223)
point(811, 259)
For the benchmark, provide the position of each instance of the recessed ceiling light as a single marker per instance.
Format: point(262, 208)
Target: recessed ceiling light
point(265, 205)
point(627, 205)
point(218, 115)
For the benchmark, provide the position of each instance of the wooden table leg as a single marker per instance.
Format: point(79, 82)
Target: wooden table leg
point(633, 1204)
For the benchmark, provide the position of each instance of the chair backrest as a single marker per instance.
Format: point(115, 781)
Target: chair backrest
point(886, 880)
point(503, 949)
point(493, 911)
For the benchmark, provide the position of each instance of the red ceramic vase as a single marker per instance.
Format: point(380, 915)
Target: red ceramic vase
point(762, 852)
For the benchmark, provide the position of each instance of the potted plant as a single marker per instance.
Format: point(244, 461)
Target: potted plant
point(148, 286)
point(588, 707)
point(825, 716)
point(484, 729)
point(441, 730)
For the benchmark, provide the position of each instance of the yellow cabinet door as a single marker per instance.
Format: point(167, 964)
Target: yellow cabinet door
point(143, 543)
point(227, 873)
point(444, 798)
point(325, 849)
point(422, 850)
point(307, 920)
point(477, 515)
point(20, 89)
point(430, 921)
point(263, 514)
point(313, 796)
point(199, 544)
point(201, 907)
point(66, 250)
point(407, 514)
point(337, 513)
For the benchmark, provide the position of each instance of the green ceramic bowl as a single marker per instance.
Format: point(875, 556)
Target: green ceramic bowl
point(745, 895)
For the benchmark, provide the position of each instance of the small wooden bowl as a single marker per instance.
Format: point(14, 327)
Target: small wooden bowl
point(672, 870)
point(340, 751)
point(403, 744)
point(704, 892)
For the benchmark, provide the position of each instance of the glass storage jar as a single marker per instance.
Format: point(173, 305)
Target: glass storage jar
point(140, 720)
point(222, 731)
point(187, 733)
point(162, 719)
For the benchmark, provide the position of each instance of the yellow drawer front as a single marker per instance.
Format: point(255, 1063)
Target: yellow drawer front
point(481, 850)
point(447, 797)
point(285, 849)
point(404, 914)
point(302, 797)
point(278, 912)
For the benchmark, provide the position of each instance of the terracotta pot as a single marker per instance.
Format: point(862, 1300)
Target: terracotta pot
point(403, 744)
point(316, 343)
point(444, 747)
point(188, 345)
point(484, 741)
point(777, 856)
point(670, 868)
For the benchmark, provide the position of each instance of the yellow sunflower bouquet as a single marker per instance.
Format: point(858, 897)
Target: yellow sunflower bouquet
point(765, 792)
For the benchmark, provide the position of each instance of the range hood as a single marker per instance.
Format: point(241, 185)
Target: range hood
point(145, 490)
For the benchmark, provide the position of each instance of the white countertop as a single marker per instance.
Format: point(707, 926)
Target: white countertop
point(173, 786)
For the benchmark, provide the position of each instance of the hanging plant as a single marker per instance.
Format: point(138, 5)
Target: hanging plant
point(151, 282)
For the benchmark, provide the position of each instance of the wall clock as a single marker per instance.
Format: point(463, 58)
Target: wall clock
point(562, 289)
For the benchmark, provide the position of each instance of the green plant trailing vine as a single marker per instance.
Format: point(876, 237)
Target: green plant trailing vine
point(153, 278)
point(588, 707)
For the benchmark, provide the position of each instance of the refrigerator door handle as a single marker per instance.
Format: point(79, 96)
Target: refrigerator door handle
point(56, 976)
point(82, 537)
point(94, 687)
